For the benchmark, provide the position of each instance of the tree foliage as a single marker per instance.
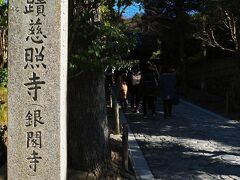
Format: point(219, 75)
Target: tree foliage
point(3, 77)
point(3, 13)
point(185, 26)
point(219, 24)
point(95, 39)
point(170, 20)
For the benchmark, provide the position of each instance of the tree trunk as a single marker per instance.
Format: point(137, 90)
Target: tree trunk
point(181, 44)
point(87, 122)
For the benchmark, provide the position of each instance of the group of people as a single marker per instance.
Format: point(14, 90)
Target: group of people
point(145, 85)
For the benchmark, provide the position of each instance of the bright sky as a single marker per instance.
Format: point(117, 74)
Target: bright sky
point(132, 10)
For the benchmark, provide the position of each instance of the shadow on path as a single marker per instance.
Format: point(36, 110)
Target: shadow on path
point(193, 144)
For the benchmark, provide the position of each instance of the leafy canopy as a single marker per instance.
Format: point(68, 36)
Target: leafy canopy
point(102, 40)
point(3, 13)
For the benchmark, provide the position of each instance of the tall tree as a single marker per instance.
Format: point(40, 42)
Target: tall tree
point(221, 24)
point(218, 27)
point(94, 42)
point(170, 19)
point(223, 32)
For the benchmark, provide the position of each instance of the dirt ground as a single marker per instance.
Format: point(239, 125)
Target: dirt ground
point(113, 169)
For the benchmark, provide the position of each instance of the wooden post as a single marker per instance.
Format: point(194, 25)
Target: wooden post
point(116, 118)
point(125, 147)
point(110, 100)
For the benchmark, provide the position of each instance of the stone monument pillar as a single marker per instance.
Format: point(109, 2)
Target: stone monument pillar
point(37, 89)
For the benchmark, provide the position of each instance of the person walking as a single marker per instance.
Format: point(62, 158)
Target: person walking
point(168, 88)
point(148, 88)
point(134, 89)
point(123, 89)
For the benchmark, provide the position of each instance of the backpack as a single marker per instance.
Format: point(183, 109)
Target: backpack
point(136, 79)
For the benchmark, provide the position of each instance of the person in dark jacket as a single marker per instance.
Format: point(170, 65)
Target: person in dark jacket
point(148, 86)
point(134, 88)
point(168, 89)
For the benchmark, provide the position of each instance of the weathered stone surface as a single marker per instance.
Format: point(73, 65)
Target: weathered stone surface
point(37, 89)
point(175, 149)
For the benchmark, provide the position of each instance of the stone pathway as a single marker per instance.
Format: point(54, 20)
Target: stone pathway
point(193, 144)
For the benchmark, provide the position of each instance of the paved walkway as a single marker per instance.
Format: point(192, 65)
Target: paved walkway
point(193, 144)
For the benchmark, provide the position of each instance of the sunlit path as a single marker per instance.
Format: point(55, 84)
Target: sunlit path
point(193, 144)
